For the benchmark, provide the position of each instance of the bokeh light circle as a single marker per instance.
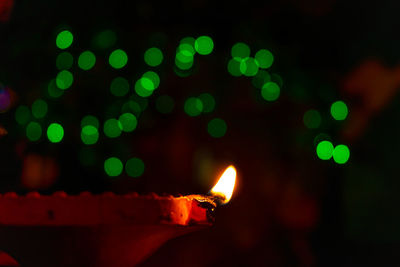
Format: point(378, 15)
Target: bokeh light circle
point(312, 119)
point(341, 154)
point(339, 110)
point(64, 79)
point(153, 56)
point(270, 91)
point(264, 58)
point(64, 39)
point(217, 128)
point(204, 45)
point(134, 167)
point(113, 166)
point(324, 150)
point(128, 122)
point(55, 133)
point(86, 60)
point(193, 106)
point(118, 59)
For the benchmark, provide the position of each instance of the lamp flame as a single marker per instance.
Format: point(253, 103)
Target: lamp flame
point(225, 185)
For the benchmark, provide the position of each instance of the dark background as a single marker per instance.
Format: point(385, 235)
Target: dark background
point(290, 208)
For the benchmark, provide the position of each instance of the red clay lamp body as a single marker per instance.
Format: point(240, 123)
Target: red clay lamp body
point(99, 230)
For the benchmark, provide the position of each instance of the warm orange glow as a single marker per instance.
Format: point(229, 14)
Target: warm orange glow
point(225, 185)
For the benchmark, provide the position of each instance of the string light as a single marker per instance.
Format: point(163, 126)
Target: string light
point(153, 57)
point(55, 133)
point(64, 39)
point(86, 60)
point(341, 154)
point(134, 167)
point(270, 91)
point(193, 106)
point(112, 128)
point(33, 131)
point(312, 119)
point(217, 128)
point(64, 61)
point(204, 45)
point(105, 39)
point(324, 150)
point(53, 90)
point(39, 108)
point(118, 59)
point(90, 120)
point(22, 115)
point(208, 102)
point(240, 51)
point(64, 79)
point(119, 86)
point(264, 58)
point(113, 166)
point(128, 122)
point(339, 110)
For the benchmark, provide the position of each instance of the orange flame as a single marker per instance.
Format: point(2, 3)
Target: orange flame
point(225, 185)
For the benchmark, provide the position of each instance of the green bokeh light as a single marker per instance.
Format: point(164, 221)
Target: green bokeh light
point(234, 68)
point(341, 154)
point(204, 45)
point(312, 119)
point(39, 108)
point(119, 86)
point(113, 166)
point(33, 131)
point(89, 135)
point(150, 80)
point(217, 128)
point(86, 60)
point(321, 137)
point(240, 51)
point(183, 58)
point(188, 40)
point(105, 39)
point(112, 128)
point(64, 61)
point(64, 39)
point(276, 78)
point(324, 150)
point(134, 167)
point(90, 120)
point(22, 115)
point(141, 90)
point(183, 65)
point(153, 57)
point(55, 133)
point(339, 110)
point(248, 67)
point(165, 104)
point(53, 90)
point(261, 78)
point(264, 58)
point(186, 50)
point(270, 91)
point(193, 106)
point(128, 122)
point(64, 79)
point(208, 102)
point(131, 107)
point(118, 59)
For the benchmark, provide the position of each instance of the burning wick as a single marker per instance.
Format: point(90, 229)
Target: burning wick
point(223, 190)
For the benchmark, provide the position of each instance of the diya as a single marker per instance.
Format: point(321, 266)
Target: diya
point(100, 230)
